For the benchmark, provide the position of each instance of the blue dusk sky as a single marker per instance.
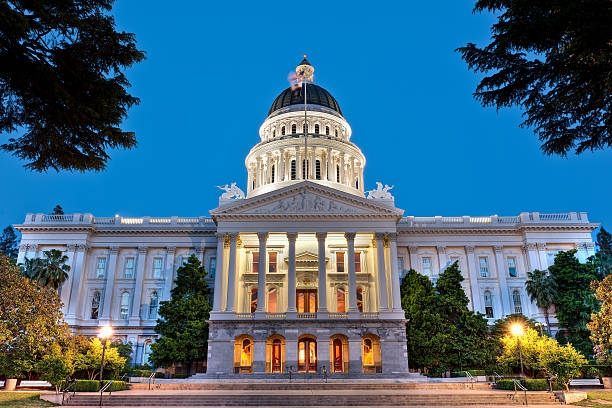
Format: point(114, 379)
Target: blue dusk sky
point(214, 68)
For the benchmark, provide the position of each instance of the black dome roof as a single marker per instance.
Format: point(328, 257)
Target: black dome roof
point(314, 93)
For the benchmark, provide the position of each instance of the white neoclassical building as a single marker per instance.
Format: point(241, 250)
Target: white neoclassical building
point(306, 269)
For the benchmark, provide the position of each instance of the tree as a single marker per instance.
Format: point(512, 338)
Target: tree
point(51, 270)
point(182, 323)
point(554, 59)
point(502, 327)
point(601, 322)
point(30, 321)
point(541, 289)
point(125, 351)
point(603, 258)
point(8, 243)
point(574, 299)
point(62, 83)
point(90, 359)
point(58, 210)
point(562, 363)
point(532, 346)
point(55, 367)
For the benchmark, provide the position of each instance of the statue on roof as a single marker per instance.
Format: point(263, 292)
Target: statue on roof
point(231, 192)
point(381, 193)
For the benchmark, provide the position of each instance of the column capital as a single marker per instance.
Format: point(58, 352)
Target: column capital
point(350, 236)
point(292, 236)
point(589, 246)
point(541, 246)
point(413, 249)
point(498, 248)
point(441, 249)
point(392, 236)
point(71, 247)
point(82, 247)
point(379, 235)
point(233, 236)
point(114, 250)
point(23, 247)
point(469, 249)
point(263, 236)
point(170, 249)
point(321, 235)
point(143, 249)
point(531, 246)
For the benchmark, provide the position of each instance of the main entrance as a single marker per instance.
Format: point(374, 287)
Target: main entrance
point(307, 355)
point(306, 300)
point(276, 356)
point(338, 362)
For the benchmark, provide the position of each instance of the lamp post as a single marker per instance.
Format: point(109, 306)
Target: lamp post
point(517, 330)
point(105, 333)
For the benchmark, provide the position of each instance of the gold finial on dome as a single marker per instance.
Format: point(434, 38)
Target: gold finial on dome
point(304, 71)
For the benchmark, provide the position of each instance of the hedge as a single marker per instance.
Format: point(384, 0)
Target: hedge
point(463, 373)
point(94, 386)
point(145, 373)
point(534, 384)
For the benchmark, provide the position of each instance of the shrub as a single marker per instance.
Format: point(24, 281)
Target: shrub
point(536, 384)
point(463, 373)
point(145, 373)
point(94, 386)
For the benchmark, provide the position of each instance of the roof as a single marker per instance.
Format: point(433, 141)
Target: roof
point(315, 96)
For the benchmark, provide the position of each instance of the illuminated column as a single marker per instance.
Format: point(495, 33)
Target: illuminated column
point(140, 271)
point(218, 290)
point(65, 288)
point(441, 258)
point(313, 163)
point(298, 164)
point(110, 285)
point(382, 273)
point(361, 182)
point(322, 275)
point(258, 171)
point(342, 170)
point(542, 254)
point(350, 243)
point(77, 280)
point(330, 166)
point(231, 273)
point(261, 274)
point(281, 166)
point(473, 267)
point(532, 255)
point(352, 174)
point(291, 309)
point(169, 274)
point(249, 180)
point(395, 283)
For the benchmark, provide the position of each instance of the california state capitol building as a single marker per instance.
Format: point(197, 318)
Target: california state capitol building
point(306, 265)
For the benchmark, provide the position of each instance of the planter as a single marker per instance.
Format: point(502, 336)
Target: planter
point(607, 382)
point(10, 384)
point(569, 397)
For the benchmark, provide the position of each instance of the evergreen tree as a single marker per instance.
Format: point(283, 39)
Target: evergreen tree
point(541, 289)
point(8, 243)
point(574, 299)
point(182, 323)
point(58, 210)
point(603, 258)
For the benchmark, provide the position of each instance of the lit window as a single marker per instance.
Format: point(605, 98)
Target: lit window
point(272, 264)
point(283, 131)
point(128, 271)
point(357, 262)
point(255, 264)
point(100, 268)
point(253, 300)
point(318, 169)
point(488, 305)
point(516, 299)
point(427, 266)
point(293, 170)
point(125, 305)
point(512, 267)
point(327, 130)
point(293, 129)
point(341, 300)
point(157, 268)
point(95, 305)
point(360, 299)
point(212, 267)
point(153, 306)
point(245, 355)
point(272, 292)
point(147, 353)
point(273, 170)
point(368, 353)
point(340, 262)
point(484, 266)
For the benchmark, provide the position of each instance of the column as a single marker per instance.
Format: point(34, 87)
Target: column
point(67, 285)
point(313, 163)
point(352, 173)
point(110, 285)
point(291, 309)
point(532, 256)
point(169, 272)
point(249, 180)
point(331, 174)
point(350, 243)
point(441, 257)
point(231, 273)
point(298, 164)
point(322, 275)
point(77, 280)
point(258, 173)
point(342, 170)
point(542, 255)
point(473, 267)
point(395, 283)
point(382, 273)
point(501, 276)
point(414, 257)
point(361, 186)
point(261, 275)
point(218, 289)
point(140, 271)
point(281, 166)
point(23, 252)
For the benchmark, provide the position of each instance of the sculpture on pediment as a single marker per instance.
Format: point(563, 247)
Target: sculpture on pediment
point(381, 193)
point(306, 202)
point(231, 192)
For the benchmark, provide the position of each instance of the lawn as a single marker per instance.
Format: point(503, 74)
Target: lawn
point(22, 399)
point(597, 399)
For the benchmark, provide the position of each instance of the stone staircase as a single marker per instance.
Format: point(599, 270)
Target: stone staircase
point(316, 395)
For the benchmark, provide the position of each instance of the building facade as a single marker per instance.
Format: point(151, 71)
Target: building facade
point(305, 268)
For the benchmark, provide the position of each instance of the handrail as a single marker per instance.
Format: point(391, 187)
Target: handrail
point(151, 377)
point(106, 387)
point(469, 378)
point(520, 386)
point(66, 388)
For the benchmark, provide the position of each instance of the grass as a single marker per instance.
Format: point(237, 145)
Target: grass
point(22, 399)
point(599, 396)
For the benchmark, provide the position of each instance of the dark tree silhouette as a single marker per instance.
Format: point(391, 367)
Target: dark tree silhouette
point(58, 210)
point(9, 243)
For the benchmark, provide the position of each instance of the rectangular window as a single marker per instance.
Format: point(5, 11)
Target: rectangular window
point(128, 271)
point(484, 266)
point(272, 265)
point(427, 266)
point(339, 262)
point(253, 300)
point(157, 268)
point(357, 262)
point(255, 264)
point(293, 170)
point(212, 267)
point(516, 299)
point(488, 301)
point(512, 267)
point(100, 268)
point(318, 169)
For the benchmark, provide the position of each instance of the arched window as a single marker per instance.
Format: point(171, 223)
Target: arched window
point(327, 130)
point(273, 171)
point(274, 133)
point(305, 128)
point(95, 305)
point(245, 353)
point(318, 169)
point(272, 292)
point(360, 299)
point(293, 129)
point(357, 184)
point(125, 305)
point(338, 174)
point(253, 300)
point(253, 184)
point(283, 131)
point(147, 353)
point(336, 132)
point(488, 305)
point(293, 170)
point(516, 299)
point(317, 129)
point(153, 305)
point(341, 300)
point(368, 352)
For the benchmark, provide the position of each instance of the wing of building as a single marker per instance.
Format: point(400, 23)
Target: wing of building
point(306, 269)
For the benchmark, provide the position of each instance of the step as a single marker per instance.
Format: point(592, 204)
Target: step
point(309, 386)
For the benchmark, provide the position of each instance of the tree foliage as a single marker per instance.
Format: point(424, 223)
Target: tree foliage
point(58, 210)
point(56, 366)
point(554, 59)
point(563, 363)
point(601, 322)
point(89, 360)
point(62, 84)
point(182, 323)
point(8, 243)
point(603, 258)
point(51, 270)
point(30, 321)
point(541, 288)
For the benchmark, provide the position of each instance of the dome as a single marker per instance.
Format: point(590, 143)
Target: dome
point(315, 96)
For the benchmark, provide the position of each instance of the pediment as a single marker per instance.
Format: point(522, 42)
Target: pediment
point(306, 199)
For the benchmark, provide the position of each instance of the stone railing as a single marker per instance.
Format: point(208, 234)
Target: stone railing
point(89, 219)
point(493, 220)
point(369, 315)
point(335, 315)
point(245, 316)
point(275, 315)
point(306, 315)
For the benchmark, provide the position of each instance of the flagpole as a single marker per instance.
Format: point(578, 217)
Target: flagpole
point(305, 131)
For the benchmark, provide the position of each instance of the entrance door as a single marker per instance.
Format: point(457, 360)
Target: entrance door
point(306, 300)
point(307, 355)
point(276, 356)
point(338, 366)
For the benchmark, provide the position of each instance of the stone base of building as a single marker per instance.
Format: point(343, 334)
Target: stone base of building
point(350, 348)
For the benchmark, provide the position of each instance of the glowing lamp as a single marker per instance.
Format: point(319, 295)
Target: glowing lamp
point(105, 332)
point(517, 330)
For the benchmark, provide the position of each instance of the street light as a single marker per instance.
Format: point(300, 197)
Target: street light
point(517, 330)
point(105, 333)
